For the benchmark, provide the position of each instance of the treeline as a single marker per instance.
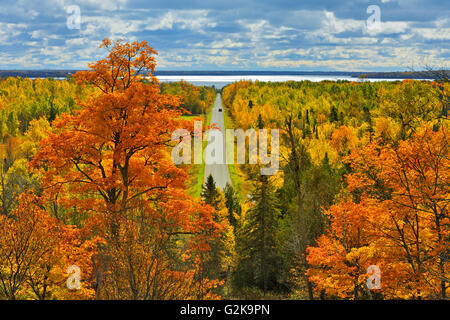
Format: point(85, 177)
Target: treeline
point(437, 74)
point(363, 182)
point(22, 100)
point(196, 100)
point(37, 73)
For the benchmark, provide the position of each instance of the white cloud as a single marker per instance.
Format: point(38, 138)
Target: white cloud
point(195, 20)
point(110, 5)
point(227, 43)
point(260, 32)
point(61, 5)
point(388, 27)
point(77, 42)
point(432, 34)
point(108, 26)
point(8, 31)
point(333, 25)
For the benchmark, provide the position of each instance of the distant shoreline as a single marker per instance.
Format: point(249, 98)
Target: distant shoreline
point(367, 75)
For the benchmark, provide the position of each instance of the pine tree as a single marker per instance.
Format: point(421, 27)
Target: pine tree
point(213, 265)
point(232, 204)
point(210, 194)
point(53, 112)
point(12, 124)
point(341, 118)
point(326, 160)
point(259, 260)
point(260, 122)
point(333, 114)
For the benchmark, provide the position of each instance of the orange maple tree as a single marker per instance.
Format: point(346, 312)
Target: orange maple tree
point(111, 160)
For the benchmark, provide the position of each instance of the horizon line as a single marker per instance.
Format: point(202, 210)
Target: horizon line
point(240, 71)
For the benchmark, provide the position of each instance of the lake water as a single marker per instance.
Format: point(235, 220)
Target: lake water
point(219, 81)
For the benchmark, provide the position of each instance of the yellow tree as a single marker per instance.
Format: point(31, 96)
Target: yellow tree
point(410, 104)
point(110, 159)
point(35, 251)
point(401, 223)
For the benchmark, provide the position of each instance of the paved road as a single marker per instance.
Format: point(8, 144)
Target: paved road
point(218, 171)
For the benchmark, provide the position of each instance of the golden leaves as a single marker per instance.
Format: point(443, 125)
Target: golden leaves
point(400, 224)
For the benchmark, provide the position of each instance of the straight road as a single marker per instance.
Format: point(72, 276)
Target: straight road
point(218, 171)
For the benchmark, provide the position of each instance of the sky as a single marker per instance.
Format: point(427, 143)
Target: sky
point(294, 35)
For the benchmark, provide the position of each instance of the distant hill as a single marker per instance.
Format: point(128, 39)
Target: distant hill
point(36, 73)
point(369, 75)
point(432, 74)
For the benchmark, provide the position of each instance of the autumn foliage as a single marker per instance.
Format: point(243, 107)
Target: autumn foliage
point(110, 162)
point(400, 224)
point(87, 183)
point(35, 251)
point(365, 171)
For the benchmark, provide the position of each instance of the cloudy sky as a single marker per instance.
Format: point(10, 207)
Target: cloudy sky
point(230, 34)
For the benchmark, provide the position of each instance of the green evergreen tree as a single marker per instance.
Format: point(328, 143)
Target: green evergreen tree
point(211, 264)
point(259, 260)
point(260, 122)
point(333, 114)
point(12, 123)
point(367, 117)
point(210, 194)
point(341, 118)
point(52, 113)
point(232, 204)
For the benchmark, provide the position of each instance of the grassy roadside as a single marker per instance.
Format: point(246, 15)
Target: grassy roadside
point(196, 171)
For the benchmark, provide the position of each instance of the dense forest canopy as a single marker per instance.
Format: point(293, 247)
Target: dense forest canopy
point(364, 183)
point(87, 181)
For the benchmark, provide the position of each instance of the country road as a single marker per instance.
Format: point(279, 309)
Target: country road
point(218, 171)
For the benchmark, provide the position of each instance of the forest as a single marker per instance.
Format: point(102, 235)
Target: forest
point(92, 206)
point(364, 182)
